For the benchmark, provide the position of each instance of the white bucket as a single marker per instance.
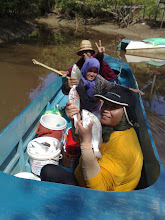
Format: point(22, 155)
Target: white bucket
point(27, 175)
point(42, 151)
point(51, 125)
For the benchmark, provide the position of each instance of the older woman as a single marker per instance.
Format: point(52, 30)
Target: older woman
point(86, 51)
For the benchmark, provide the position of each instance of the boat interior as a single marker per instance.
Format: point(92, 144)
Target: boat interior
point(16, 136)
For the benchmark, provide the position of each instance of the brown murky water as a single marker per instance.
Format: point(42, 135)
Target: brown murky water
point(22, 81)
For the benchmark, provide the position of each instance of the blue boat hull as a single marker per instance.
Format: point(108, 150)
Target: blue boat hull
point(30, 199)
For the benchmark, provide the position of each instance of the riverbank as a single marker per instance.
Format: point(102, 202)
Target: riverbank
point(137, 31)
point(13, 29)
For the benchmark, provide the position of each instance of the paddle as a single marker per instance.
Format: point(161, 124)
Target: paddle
point(47, 67)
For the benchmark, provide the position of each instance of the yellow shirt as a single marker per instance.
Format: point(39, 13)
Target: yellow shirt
point(121, 164)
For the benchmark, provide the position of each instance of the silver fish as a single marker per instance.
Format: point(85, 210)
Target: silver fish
point(42, 148)
point(75, 99)
point(76, 72)
point(73, 95)
point(87, 118)
point(39, 148)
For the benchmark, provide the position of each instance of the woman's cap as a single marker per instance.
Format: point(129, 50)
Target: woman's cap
point(119, 95)
point(122, 96)
point(85, 45)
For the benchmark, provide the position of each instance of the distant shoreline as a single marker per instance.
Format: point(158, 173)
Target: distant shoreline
point(16, 29)
point(137, 31)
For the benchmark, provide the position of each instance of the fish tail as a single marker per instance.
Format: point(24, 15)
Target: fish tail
point(98, 154)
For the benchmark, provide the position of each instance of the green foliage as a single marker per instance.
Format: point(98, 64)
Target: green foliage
point(83, 7)
point(45, 5)
point(151, 7)
point(25, 8)
point(69, 6)
point(103, 8)
point(34, 34)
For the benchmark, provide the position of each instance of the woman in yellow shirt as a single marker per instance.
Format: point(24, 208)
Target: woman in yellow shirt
point(120, 167)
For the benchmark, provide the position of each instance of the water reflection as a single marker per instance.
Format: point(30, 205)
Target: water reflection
point(152, 79)
point(22, 81)
point(45, 82)
point(157, 104)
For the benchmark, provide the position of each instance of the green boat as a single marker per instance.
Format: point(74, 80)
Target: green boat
point(152, 47)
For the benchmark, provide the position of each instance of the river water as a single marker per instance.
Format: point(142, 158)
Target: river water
point(22, 81)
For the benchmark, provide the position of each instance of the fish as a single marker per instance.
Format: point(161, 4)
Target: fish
point(87, 118)
point(75, 99)
point(76, 72)
point(43, 148)
point(38, 148)
point(73, 94)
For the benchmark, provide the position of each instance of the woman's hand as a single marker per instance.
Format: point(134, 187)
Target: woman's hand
point(72, 81)
point(134, 90)
point(137, 91)
point(71, 110)
point(100, 48)
point(85, 133)
point(65, 73)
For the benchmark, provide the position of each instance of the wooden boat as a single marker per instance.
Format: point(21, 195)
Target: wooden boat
point(31, 199)
point(153, 47)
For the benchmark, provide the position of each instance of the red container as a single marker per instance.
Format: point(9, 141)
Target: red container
point(51, 125)
point(70, 150)
point(72, 147)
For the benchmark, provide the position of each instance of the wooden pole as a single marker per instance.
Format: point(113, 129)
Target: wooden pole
point(162, 17)
point(47, 67)
point(157, 9)
point(153, 84)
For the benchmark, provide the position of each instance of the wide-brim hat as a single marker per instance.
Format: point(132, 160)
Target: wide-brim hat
point(85, 45)
point(122, 96)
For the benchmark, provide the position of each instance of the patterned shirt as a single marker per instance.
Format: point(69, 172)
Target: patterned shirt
point(101, 86)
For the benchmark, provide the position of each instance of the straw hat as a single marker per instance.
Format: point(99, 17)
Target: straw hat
point(85, 45)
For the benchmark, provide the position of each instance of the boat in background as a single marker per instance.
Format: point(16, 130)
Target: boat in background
point(140, 59)
point(152, 47)
point(31, 199)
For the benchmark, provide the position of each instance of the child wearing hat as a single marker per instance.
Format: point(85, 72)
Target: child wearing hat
point(120, 167)
point(87, 51)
